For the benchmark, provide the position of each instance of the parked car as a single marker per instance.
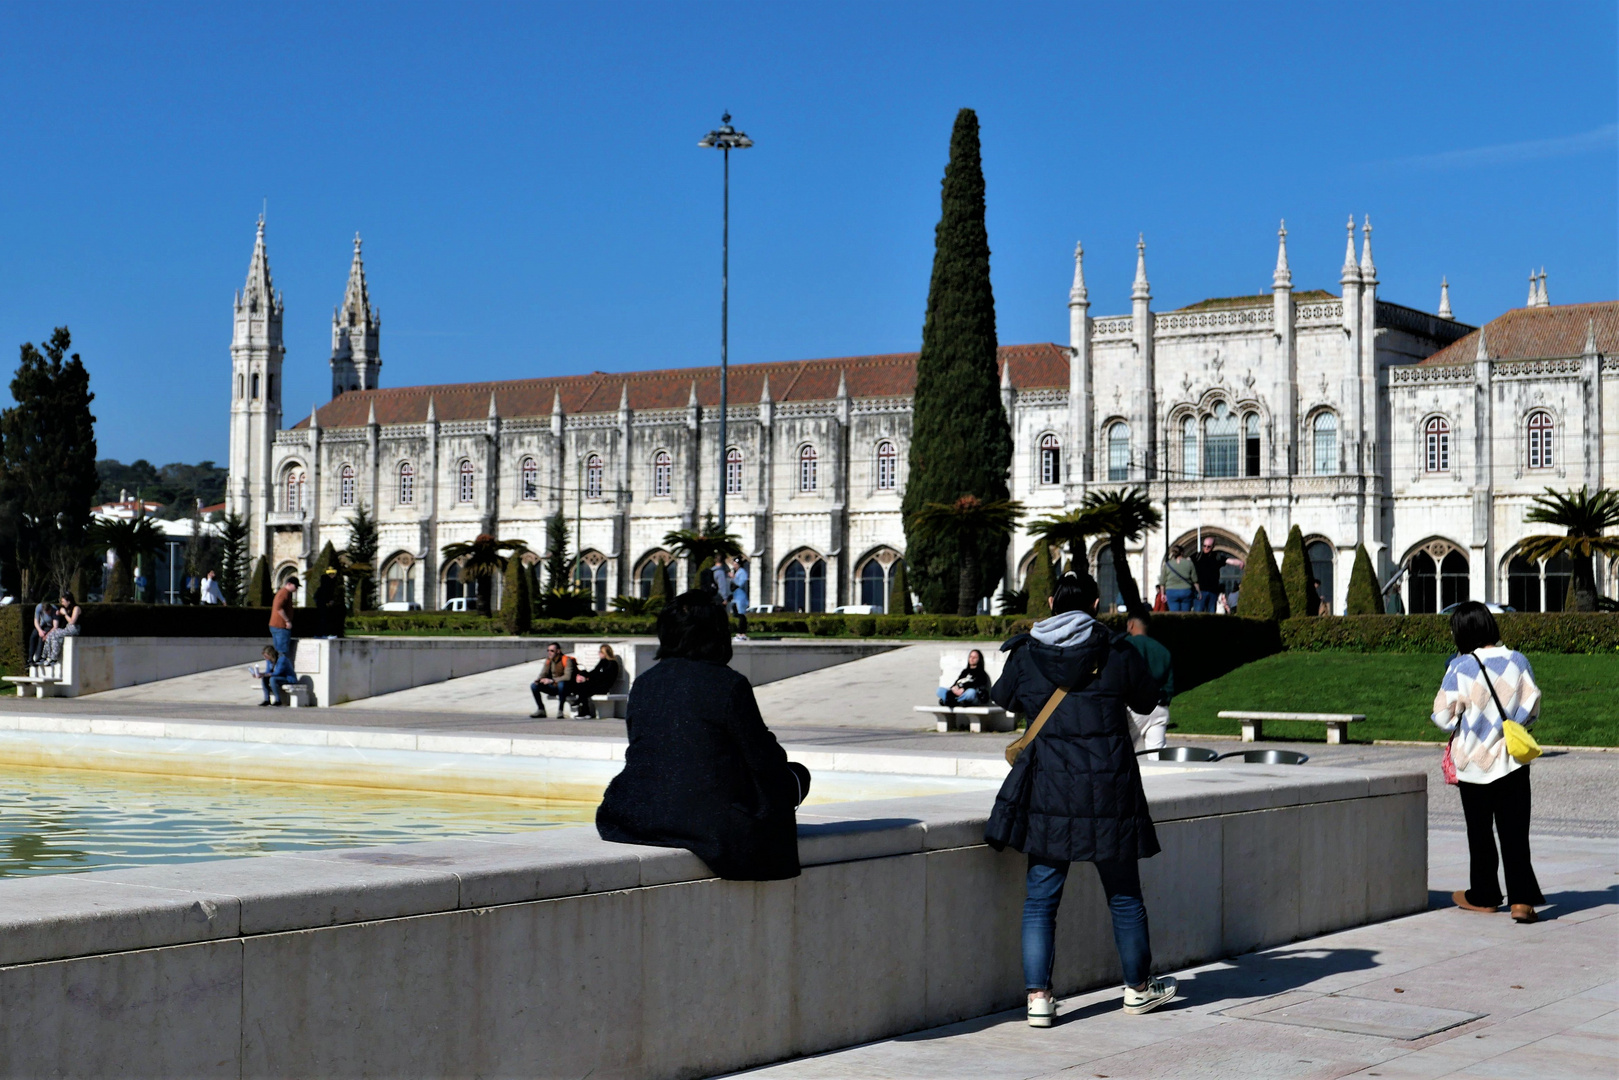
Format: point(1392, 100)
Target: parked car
point(460, 603)
point(1496, 608)
point(856, 609)
point(764, 609)
point(401, 605)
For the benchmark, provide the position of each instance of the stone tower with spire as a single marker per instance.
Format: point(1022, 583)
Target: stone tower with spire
point(256, 353)
point(356, 334)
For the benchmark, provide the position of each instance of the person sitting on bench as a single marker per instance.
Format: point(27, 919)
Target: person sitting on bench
point(971, 686)
point(277, 672)
point(598, 680)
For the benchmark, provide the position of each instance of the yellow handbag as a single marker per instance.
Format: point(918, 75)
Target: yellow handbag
point(1520, 744)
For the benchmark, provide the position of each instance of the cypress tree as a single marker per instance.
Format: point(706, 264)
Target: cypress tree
point(1296, 573)
point(1365, 598)
point(899, 592)
point(327, 589)
point(661, 589)
point(258, 587)
point(961, 443)
point(1263, 595)
point(556, 552)
point(1039, 582)
point(362, 551)
point(233, 569)
point(516, 605)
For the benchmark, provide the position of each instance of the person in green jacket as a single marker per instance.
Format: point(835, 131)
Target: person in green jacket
point(1150, 727)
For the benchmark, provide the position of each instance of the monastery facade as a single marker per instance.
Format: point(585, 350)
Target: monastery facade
point(1360, 420)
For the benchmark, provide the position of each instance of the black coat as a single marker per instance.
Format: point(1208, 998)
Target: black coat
point(1075, 792)
point(703, 773)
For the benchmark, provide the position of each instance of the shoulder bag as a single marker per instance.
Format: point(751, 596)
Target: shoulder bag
point(1520, 744)
point(1021, 743)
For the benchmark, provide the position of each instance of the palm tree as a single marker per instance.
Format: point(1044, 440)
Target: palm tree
point(481, 561)
point(1124, 515)
point(703, 545)
point(964, 524)
point(130, 539)
point(1584, 516)
point(1069, 530)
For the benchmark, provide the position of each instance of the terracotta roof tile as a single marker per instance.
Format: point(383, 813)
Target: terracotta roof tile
point(1032, 367)
point(1538, 334)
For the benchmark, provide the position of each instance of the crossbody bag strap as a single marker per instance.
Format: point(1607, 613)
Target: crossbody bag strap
point(1489, 684)
point(1017, 746)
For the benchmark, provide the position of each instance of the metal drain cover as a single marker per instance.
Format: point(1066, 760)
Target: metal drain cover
point(1357, 1015)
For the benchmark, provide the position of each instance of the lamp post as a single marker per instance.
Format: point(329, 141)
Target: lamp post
point(725, 139)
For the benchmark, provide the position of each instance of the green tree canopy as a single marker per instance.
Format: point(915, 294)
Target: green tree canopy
point(966, 524)
point(961, 443)
point(1070, 530)
point(130, 540)
point(1262, 596)
point(1585, 516)
point(701, 546)
point(899, 591)
point(556, 552)
point(1296, 573)
point(1365, 595)
point(482, 559)
point(516, 605)
point(360, 561)
point(258, 588)
point(233, 559)
point(1124, 515)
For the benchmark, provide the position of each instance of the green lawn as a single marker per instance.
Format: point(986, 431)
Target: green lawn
point(1396, 692)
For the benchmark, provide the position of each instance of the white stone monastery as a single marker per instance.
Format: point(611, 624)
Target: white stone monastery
point(1359, 420)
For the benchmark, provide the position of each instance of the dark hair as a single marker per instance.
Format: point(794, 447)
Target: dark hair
point(1141, 617)
point(270, 653)
point(693, 626)
point(69, 598)
point(1473, 627)
point(980, 653)
point(292, 579)
point(1075, 592)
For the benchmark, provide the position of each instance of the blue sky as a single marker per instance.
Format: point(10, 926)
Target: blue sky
point(533, 201)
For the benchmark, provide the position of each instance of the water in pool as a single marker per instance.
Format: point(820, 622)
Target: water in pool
point(64, 821)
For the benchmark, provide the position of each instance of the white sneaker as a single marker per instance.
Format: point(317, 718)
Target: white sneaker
point(1041, 1011)
point(1158, 991)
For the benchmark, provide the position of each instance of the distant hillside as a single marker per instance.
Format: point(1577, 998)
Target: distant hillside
point(175, 485)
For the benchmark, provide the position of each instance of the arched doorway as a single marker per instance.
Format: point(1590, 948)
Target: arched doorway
point(590, 574)
point(398, 580)
point(875, 575)
point(1539, 586)
point(1437, 577)
point(1319, 554)
point(803, 583)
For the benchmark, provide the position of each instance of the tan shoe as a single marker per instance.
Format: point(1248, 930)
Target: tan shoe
point(1460, 896)
point(1524, 913)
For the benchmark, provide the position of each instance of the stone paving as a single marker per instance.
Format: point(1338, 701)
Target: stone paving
point(1447, 993)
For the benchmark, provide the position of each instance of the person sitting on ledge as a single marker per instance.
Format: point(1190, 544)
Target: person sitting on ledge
point(971, 686)
point(598, 680)
point(277, 672)
point(702, 772)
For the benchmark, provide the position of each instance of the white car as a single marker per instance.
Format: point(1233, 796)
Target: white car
point(401, 605)
point(855, 609)
point(460, 603)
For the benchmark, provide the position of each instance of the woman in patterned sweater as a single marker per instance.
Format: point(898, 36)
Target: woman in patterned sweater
point(1494, 786)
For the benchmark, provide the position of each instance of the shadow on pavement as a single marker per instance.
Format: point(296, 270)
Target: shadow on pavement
point(1261, 975)
point(1567, 903)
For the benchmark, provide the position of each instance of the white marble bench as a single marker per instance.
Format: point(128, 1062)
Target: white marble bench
point(1253, 723)
point(609, 705)
point(979, 718)
point(43, 685)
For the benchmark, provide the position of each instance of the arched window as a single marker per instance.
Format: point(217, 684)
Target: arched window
point(1319, 554)
point(593, 477)
point(887, 466)
point(345, 486)
point(1189, 448)
point(1424, 584)
point(1250, 445)
point(649, 572)
point(294, 501)
point(1118, 451)
point(1540, 439)
point(466, 486)
point(407, 483)
point(807, 475)
point(1220, 442)
point(1559, 573)
point(590, 572)
point(529, 487)
point(255, 386)
point(733, 471)
point(663, 471)
point(1050, 459)
point(804, 583)
point(874, 585)
point(1453, 580)
point(1324, 443)
point(1523, 584)
point(398, 584)
point(453, 586)
point(1437, 434)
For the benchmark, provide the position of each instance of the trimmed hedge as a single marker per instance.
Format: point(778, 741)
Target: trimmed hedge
point(1204, 646)
point(203, 620)
point(1545, 632)
point(13, 647)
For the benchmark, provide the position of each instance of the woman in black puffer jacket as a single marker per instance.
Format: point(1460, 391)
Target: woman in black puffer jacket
point(1075, 793)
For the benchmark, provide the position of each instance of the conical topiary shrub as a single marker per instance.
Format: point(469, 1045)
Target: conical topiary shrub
point(325, 585)
point(258, 586)
point(1262, 594)
point(1039, 581)
point(1365, 598)
point(1296, 573)
point(899, 594)
point(662, 589)
point(516, 605)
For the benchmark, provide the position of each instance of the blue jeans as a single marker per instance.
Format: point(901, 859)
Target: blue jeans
point(1122, 883)
point(968, 697)
point(281, 638)
point(1179, 599)
point(1206, 599)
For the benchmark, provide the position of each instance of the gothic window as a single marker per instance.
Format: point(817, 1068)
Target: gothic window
point(1250, 445)
point(398, 584)
point(804, 583)
point(887, 466)
point(1540, 439)
point(466, 487)
point(590, 575)
point(1437, 584)
point(1324, 443)
point(1050, 459)
point(1118, 451)
point(1189, 448)
point(733, 471)
point(1559, 575)
point(255, 386)
point(807, 475)
point(873, 585)
point(1436, 432)
point(294, 502)
point(663, 470)
point(593, 476)
point(1220, 442)
point(1523, 584)
point(407, 483)
point(529, 491)
point(1453, 580)
point(1319, 554)
point(649, 572)
point(345, 486)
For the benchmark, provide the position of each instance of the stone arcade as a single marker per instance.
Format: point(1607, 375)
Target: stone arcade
point(1360, 420)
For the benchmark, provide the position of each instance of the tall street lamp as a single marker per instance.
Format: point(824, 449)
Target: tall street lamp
point(726, 139)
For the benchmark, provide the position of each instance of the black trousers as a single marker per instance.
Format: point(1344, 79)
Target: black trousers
point(1500, 808)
